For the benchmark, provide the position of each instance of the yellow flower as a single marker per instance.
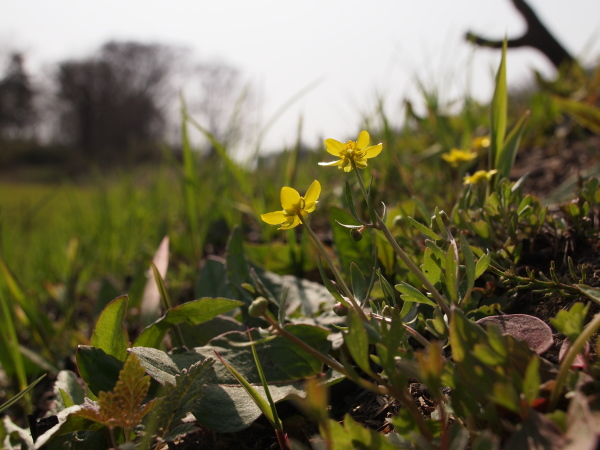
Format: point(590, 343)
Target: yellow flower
point(479, 176)
point(294, 206)
point(480, 142)
point(358, 152)
point(455, 157)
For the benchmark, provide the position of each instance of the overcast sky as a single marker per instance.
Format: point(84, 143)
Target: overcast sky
point(357, 49)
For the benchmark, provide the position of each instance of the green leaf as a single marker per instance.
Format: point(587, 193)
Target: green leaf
point(570, 323)
point(238, 268)
point(451, 272)
point(347, 249)
point(482, 265)
point(464, 335)
point(180, 398)
point(69, 422)
point(506, 158)
point(20, 395)
point(350, 203)
point(365, 438)
point(193, 313)
point(481, 228)
point(99, 370)
point(67, 390)
point(425, 230)
point(585, 114)
point(262, 404)
point(328, 283)
point(532, 380)
point(432, 267)
point(386, 287)
point(412, 294)
point(359, 284)
point(357, 341)
point(285, 367)
point(212, 281)
point(498, 111)
point(123, 406)
point(504, 394)
point(590, 292)
point(470, 265)
point(110, 333)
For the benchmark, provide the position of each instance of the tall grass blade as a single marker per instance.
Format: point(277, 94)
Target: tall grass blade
point(498, 112)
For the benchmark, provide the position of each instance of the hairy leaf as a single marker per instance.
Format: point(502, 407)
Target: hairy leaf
point(180, 398)
point(123, 406)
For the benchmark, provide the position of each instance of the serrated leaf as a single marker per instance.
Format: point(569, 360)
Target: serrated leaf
point(284, 363)
point(178, 399)
point(110, 333)
point(123, 406)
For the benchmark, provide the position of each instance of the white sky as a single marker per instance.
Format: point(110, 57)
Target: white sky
point(356, 48)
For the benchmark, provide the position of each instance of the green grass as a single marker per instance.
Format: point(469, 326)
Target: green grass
point(67, 250)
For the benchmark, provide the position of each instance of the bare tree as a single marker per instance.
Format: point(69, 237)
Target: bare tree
point(17, 109)
point(116, 99)
point(221, 101)
point(537, 36)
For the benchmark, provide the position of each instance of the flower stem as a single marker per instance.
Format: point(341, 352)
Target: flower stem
point(380, 225)
point(335, 271)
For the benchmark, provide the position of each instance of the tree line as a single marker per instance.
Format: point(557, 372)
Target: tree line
point(119, 102)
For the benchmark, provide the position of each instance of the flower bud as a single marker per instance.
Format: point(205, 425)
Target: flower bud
point(356, 234)
point(340, 309)
point(258, 307)
point(387, 311)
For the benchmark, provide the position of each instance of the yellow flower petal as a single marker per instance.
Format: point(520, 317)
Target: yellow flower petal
point(334, 147)
point(289, 198)
point(274, 218)
point(363, 140)
point(292, 222)
point(313, 192)
point(332, 163)
point(373, 151)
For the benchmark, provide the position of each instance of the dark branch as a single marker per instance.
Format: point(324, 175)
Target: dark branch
point(536, 36)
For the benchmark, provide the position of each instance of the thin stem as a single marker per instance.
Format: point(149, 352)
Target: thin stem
point(413, 268)
point(413, 333)
point(565, 366)
point(383, 389)
point(380, 225)
point(335, 271)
